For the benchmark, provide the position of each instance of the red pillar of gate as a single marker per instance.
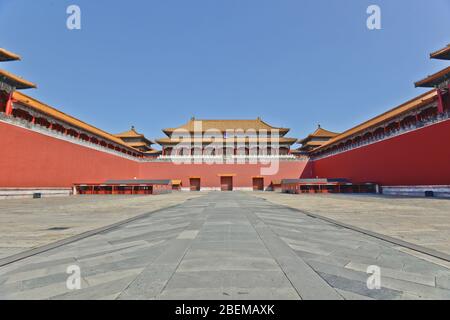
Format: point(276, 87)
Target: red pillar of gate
point(9, 107)
point(440, 101)
point(447, 105)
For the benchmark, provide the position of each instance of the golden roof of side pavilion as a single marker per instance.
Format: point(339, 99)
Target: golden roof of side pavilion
point(15, 81)
point(319, 133)
point(443, 53)
point(434, 79)
point(132, 133)
point(6, 55)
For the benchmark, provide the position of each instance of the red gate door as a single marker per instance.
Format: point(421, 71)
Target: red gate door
point(258, 184)
point(226, 183)
point(194, 184)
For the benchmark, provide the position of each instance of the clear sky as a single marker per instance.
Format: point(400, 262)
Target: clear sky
point(157, 63)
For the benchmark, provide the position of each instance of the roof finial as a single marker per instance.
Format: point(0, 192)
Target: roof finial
point(259, 118)
point(192, 118)
point(132, 127)
point(318, 125)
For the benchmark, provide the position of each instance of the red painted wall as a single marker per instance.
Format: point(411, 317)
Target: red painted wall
point(30, 159)
point(209, 174)
point(421, 157)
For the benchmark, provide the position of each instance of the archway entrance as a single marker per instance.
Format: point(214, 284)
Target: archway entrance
point(226, 183)
point(258, 184)
point(194, 184)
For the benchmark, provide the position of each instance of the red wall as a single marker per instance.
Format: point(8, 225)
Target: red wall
point(209, 174)
point(421, 157)
point(30, 159)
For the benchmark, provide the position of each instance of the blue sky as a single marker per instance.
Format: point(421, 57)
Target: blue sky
point(154, 64)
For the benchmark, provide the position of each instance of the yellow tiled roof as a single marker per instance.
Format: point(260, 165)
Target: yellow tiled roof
point(434, 79)
point(15, 81)
point(443, 53)
point(319, 133)
point(6, 55)
point(308, 146)
point(223, 125)
point(39, 106)
point(315, 143)
point(132, 133)
point(417, 102)
point(165, 141)
point(137, 144)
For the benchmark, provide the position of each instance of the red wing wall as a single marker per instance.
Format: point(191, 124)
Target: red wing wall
point(209, 174)
point(421, 157)
point(31, 159)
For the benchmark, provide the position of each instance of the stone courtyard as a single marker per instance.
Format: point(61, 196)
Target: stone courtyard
point(216, 245)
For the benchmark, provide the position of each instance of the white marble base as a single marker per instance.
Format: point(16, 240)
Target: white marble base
point(17, 193)
point(416, 191)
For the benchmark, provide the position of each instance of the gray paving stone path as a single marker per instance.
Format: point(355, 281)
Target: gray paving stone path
point(229, 245)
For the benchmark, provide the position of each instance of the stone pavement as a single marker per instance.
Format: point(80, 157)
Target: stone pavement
point(30, 223)
point(226, 246)
point(421, 221)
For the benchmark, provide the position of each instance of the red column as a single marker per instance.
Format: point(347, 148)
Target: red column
point(9, 106)
point(447, 105)
point(440, 101)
